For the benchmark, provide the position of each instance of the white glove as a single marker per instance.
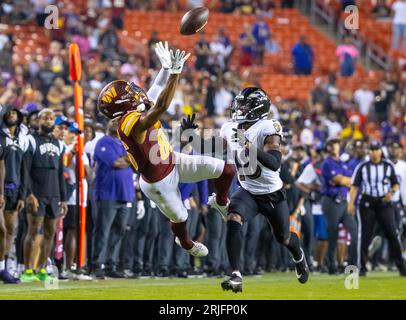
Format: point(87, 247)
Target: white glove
point(163, 54)
point(140, 209)
point(178, 60)
point(152, 204)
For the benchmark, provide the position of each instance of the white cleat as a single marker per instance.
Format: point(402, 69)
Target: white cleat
point(84, 277)
point(221, 209)
point(198, 249)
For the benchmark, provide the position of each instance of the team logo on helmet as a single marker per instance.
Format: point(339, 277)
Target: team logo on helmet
point(119, 97)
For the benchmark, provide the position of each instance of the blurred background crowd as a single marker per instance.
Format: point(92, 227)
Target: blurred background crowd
point(319, 89)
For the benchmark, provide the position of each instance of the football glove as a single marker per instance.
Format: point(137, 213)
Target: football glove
point(164, 55)
point(178, 59)
point(189, 123)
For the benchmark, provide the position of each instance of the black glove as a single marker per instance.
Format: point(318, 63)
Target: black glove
point(189, 123)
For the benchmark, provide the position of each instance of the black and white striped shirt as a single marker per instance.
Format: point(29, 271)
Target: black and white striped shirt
point(375, 179)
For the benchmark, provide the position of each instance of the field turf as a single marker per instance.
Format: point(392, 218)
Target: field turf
point(282, 286)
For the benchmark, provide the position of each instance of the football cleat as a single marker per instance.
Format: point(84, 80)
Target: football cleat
point(234, 283)
point(376, 243)
point(8, 278)
point(221, 209)
point(28, 276)
point(302, 269)
point(198, 249)
point(43, 275)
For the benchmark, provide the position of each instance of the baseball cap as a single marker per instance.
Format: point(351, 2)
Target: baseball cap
point(375, 145)
point(59, 120)
point(74, 127)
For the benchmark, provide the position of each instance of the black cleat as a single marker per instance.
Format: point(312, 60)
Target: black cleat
point(234, 283)
point(302, 270)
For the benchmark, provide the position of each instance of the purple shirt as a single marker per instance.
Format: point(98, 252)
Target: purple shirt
point(112, 184)
point(329, 170)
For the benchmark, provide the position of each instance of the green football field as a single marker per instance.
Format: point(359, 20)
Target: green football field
point(269, 286)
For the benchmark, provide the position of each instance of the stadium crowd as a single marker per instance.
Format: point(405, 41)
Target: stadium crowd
point(127, 236)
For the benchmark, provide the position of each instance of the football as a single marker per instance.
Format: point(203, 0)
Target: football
point(194, 21)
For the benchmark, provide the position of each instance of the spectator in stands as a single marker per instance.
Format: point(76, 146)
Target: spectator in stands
point(319, 94)
point(399, 25)
point(352, 131)
point(202, 52)
point(194, 4)
point(346, 3)
point(263, 37)
point(4, 39)
point(381, 10)
point(80, 37)
point(382, 102)
point(288, 4)
point(117, 13)
point(247, 47)
point(153, 59)
point(225, 40)
point(333, 126)
point(265, 8)
point(307, 136)
point(303, 57)
point(365, 98)
point(347, 54)
point(333, 92)
point(108, 44)
point(245, 7)
point(219, 53)
point(227, 6)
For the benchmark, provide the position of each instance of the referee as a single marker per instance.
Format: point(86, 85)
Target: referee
point(379, 183)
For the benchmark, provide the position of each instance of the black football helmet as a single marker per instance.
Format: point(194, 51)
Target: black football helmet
point(250, 105)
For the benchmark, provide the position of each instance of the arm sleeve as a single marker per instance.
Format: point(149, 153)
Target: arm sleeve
point(271, 159)
point(158, 85)
point(203, 187)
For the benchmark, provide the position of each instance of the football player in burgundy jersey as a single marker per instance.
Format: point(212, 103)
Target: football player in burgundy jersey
point(160, 168)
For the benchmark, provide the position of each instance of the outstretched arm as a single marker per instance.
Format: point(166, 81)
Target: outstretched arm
point(154, 114)
point(173, 62)
point(158, 84)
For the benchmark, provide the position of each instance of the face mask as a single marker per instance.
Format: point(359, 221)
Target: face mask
point(46, 129)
